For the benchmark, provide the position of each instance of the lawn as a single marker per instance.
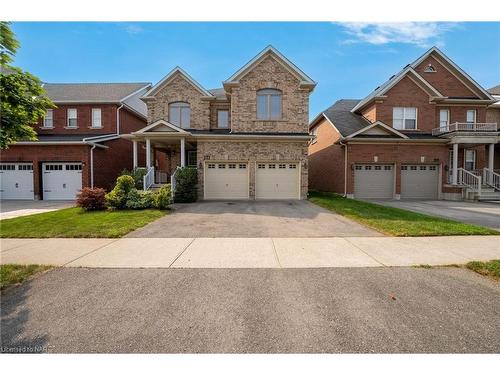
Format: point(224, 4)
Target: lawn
point(75, 222)
point(491, 268)
point(394, 221)
point(14, 273)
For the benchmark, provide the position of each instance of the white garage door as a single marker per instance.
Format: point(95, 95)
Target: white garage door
point(374, 181)
point(226, 181)
point(277, 181)
point(16, 181)
point(419, 181)
point(61, 181)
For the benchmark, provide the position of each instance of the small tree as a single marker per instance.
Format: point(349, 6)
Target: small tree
point(186, 180)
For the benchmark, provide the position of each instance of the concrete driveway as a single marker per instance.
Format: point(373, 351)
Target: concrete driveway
point(252, 219)
point(15, 208)
point(362, 310)
point(479, 213)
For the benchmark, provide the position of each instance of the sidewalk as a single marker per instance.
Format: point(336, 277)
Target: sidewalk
point(250, 252)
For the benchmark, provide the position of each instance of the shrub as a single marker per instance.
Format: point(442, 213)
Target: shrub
point(163, 197)
point(137, 174)
point(186, 185)
point(117, 198)
point(91, 199)
point(139, 200)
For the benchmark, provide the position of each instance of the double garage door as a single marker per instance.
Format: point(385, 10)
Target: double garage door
point(60, 181)
point(232, 181)
point(377, 181)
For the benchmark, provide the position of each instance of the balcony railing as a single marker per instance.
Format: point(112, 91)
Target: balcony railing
point(466, 127)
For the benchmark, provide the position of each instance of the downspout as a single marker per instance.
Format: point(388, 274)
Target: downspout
point(92, 165)
point(345, 167)
point(118, 119)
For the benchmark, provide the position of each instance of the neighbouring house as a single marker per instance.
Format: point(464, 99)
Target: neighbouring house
point(493, 116)
point(423, 134)
point(247, 139)
point(78, 144)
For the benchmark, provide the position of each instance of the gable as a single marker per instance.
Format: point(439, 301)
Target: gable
point(377, 129)
point(177, 74)
point(162, 126)
point(407, 90)
point(267, 68)
point(178, 87)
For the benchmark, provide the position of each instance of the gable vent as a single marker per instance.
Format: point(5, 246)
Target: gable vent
point(429, 69)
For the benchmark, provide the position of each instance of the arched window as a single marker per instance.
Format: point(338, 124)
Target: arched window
point(269, 104)
point(179, 114)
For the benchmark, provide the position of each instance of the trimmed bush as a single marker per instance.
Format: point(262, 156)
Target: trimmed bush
point(163, 197)
point(140, 200)
point(186, 189)
point(137, 174)
point(117, 198)
point(91, 199)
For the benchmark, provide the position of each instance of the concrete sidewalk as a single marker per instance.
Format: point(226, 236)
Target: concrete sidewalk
point(250, 252)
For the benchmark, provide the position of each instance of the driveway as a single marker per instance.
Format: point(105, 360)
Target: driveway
point(381, 310)
point(15, 208)
point(252, 219)
point(479, 213)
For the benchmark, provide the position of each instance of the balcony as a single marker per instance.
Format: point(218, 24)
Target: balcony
point(466, 127)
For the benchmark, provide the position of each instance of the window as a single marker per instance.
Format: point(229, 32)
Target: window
point(272, 166)
point(268, 104)
point(179, 114)
point(211, 166)
point(72, 118)
point(358, 167)
point(444, 118)
point(96, 118)
point(73, 167)
point(222, 166)
point(378, 167)
point(48, 121)
point(25, 167)
point(232, 166)
point(430, 69)
point(222, 119)
point(292, 166)
point(243, 166)
point(470, 160)
point(404, 118)
point(471, 116)
point(282, 166)
point(387, 167)
point(261, 166)
point(191, 158)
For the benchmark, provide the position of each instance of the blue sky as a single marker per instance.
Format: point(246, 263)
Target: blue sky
point(347, 60)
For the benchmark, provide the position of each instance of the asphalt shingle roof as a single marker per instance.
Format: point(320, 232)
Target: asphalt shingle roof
point(91, 92)
point(220, 93)
point(494, 90)
point(344, 120)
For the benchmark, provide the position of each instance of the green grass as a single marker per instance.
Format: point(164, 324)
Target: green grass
point(11, 274)
point(77, 223)
point(491, 268)
point(394, 221)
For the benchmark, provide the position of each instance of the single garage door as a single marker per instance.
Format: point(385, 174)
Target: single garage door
point(226, 181)
point(61, 181)
point(374, 181)
point(419, 181)
point(277, 181)
point(16, 181)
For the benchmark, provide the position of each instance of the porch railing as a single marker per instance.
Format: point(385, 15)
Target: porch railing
point(173, 181)
point(491, 178)
point(162, 177)
point(468, 179)
point(149, 178)
point(466, 127)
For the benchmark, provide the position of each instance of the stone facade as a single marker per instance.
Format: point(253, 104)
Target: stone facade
point(253, 152)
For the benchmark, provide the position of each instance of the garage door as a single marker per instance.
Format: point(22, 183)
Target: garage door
point(16, 181)
point(374, 181)
point(226, 181)
point(61, 181)
point(277, 181)
point(419, 181)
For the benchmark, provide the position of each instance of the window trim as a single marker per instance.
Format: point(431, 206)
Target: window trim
point(404, 118)
point(178, 105)
point(475, 116)
point(69, 118)
point(227, 124)
point(268, 96)
point(44, 124)
point(92, 118)
point(474, 161)
point(190, 152)
point(447, 117)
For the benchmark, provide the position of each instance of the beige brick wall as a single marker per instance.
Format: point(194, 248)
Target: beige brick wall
point(216, 106)
point(178, 89)
point(269, 74)
point(253, 152)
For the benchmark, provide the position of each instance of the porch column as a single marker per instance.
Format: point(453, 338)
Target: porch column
point(148, 153)
point(491, 156)
point(454, 171)
point(183, 152)
point(134, 153)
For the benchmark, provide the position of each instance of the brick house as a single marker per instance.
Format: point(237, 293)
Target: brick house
point(493, 116)
point(423, 134)
point(78, 142)
point(248, 139)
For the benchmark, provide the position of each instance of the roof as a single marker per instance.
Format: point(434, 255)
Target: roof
point(494, 90)
point(68, 137)
point(219, 93)
point(92, 92)
point(346, 122)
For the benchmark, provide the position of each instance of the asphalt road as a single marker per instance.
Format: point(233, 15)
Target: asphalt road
point(334, 310)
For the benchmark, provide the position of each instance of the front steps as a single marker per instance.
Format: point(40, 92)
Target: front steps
point(487, 194)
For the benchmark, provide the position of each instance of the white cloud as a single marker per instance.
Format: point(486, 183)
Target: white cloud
point(422, 34)
point(133, 29)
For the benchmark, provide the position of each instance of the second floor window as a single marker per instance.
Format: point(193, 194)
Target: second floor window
point(269, 104)
point(48, 121)
point(179, 114)
point(72, 118)
point(444, 118)
point(222, 119)
point(404, 118)
point(96, 118)
point(471, 116)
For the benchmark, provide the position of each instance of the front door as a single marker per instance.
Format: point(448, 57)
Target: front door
point(469, 160)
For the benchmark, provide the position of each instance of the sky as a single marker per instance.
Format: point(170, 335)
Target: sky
point(348, 60)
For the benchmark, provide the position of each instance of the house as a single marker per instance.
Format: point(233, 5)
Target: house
point(248, 139)
point(422, 134)
point(493, 116)
point(78, 142)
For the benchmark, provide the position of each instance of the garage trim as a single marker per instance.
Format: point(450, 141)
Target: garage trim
point(299, 170)
point(206, 162)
